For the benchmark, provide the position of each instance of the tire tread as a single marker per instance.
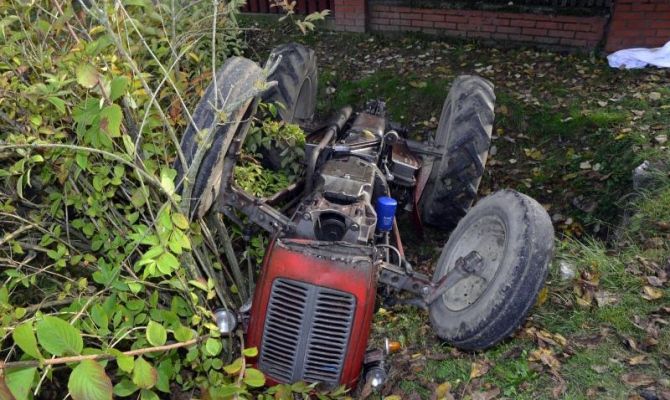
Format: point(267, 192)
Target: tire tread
point(464, 134)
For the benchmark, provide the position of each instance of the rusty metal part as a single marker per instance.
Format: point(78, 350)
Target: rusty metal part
point(404, 164)
point(286, 194)
point(465, 266)
point(424, 174)
point(398, 241)
point(260, 211)
point(421, 285)
point(373, 124)
point(340, 207)
point(330, 132)
point(257, 210)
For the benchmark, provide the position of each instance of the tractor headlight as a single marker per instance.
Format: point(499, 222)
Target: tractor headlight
point(226, 321)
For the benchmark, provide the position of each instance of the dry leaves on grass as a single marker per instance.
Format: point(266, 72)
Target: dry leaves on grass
point(487, 395)
point(638, 360)
point(651, 293)
point(443, 392)
point(546, 357)
point(480, 368)
point(635, 379)
point(544, 338)
point(585, 288)
point(605, 298)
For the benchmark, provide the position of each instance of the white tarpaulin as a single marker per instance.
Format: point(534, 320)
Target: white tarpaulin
point(640, 58)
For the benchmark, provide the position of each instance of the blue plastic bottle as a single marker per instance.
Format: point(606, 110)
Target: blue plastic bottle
point(385, 209)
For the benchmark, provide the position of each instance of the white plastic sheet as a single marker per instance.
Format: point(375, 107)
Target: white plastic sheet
point(640, 58)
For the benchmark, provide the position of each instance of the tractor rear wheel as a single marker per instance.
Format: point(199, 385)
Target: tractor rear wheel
point(513, 235)
point(235, 80)
point(463, 136)
point(297, 84)
point(296, 88)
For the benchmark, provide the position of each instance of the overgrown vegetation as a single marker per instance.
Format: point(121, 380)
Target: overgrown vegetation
point(107, 287)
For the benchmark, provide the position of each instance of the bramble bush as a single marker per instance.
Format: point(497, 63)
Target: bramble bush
point(107, 287)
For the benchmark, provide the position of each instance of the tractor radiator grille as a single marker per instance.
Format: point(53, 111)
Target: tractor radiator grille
point(306, 332)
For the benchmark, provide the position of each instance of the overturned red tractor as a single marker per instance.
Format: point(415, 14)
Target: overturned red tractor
point(335, 244)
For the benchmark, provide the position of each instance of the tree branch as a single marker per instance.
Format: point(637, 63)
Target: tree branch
point(66, 360)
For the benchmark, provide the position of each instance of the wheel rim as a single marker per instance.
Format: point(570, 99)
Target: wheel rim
point(488, 237)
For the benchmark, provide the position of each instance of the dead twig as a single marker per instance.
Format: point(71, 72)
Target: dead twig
point(72, 359)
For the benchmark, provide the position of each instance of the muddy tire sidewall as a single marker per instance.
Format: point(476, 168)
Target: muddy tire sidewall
point(522, 270)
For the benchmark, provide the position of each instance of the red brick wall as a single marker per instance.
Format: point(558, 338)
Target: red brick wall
point(552, 30)
point(350, 15)
point(639, 23)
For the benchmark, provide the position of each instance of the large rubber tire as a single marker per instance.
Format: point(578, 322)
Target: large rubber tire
point(235, 80)
point(514, 236)
point(297, 84)
point(464, 136)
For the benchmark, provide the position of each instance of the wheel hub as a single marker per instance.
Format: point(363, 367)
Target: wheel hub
point(486, 238)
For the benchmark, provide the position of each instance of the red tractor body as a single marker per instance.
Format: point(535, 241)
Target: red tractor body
point(312, 311)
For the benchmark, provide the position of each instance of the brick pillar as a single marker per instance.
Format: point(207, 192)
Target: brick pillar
point(639, 23)
point(350, 15)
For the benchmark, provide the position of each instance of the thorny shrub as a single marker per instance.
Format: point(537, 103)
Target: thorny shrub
point(107, 288)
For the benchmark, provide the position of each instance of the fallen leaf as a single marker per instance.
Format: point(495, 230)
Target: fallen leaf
point(488, 395)
point(560, 387)
point(654, 96)
point(479, 368)
point(443, 392)
point(636, 379)
point(546, 356)
point(654, 243)
point(599, 368)
point(542, 296)
point(655, 281)
point(651, 293)
point(418, 85)
point(605, 298)
point(630, 343)
point(533, 153)
point(637, 360)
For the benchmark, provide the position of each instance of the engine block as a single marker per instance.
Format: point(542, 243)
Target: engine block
point(340, 208)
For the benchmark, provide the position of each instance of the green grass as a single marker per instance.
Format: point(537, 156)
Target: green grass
point(402, 94)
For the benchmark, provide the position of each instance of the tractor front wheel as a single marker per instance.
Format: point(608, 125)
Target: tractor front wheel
point(513, 235)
